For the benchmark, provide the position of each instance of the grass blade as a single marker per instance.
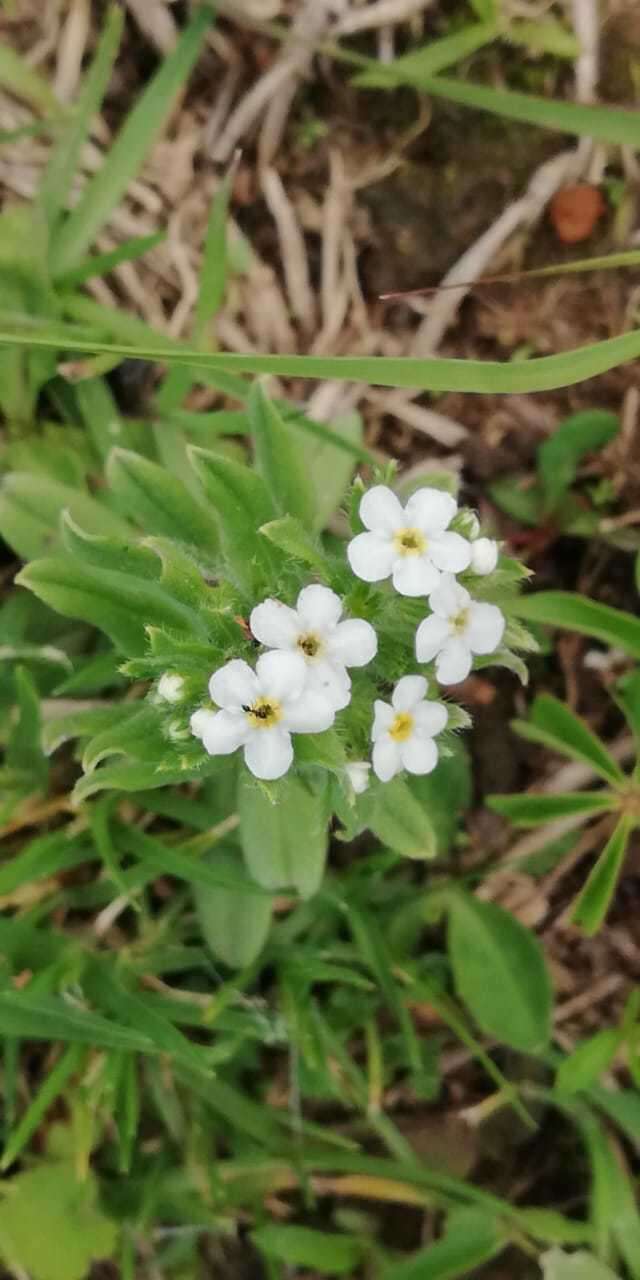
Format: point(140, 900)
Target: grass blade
point(26, 84)
point(544, 373)
point(100, 264)
point(127, 154)
point(574, 612)
point(595, 898)
point(65, 156)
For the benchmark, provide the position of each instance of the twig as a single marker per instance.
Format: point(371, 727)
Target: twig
point(292, 249)
point(155, 22)
point(71, 50)
point(382, 14)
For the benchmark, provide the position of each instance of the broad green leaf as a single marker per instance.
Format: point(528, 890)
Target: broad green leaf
point(133, 775)
point(557, 1264)
point(472, 1237)
point(554, 725)
point(620, 1105)
point(400, 821)
point(159, 502)
point(241, 505)
point(30, 509)
point(280, 459)
point(544, 373)
point(64, 157)
point(283, 833)
point(574, 612)
point(584, 1066)
point(534, 810)
point(329, 1253)
point(518, 497)
point(142, 126)
point(331, 468)
point(51, 1226)
point(121, 606)
point(595, 898)
point(432, 58)
point(499, 972)
point(291, 537)
point(198, 872)
point(559, 456)
point(235, 923)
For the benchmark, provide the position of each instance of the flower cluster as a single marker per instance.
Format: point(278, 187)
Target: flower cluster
point(301, 680)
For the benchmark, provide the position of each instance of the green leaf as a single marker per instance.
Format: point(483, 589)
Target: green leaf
point(400, 821)
point(51, 1226)
point(241, 506)
point(493, 377)
point(52, 1018)
point(51, 1088)
point(101, 264)
point(557, 1264)
point(583, 1068)
point(534, 810)
point(432, 58)
point(576, 613)
point(20, 79)
point(160, 503)
point(561, 453)
point(499, 973)
point(328, 1253)
point(30, 509)
point(444, 795)
point(194, 871)
point(331, 468)
point(595, 898)
point(64, 157)
point(143, 124)
point(292, 538)
point(554, 725)
point(235, 923)
point(24, 747)
point(472, 1238)
point(518, 497)
point(121, 606)
point(280, 459)
point(283, 833)
point(45, 856)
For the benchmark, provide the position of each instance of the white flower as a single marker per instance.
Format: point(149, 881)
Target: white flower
point(358, 775)
point(314, 630)
point(260, 711)
point(458, 628)
point(484, 555)
point(409, 543)
point(170, 687)
point(403, 732)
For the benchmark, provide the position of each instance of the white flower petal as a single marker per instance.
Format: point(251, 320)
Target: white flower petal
point(383, 718)
point(432, 510)
point(419, 755)
point(450, 552)
point(281, 675)
point(484, 555)
point(312, 712)
point(170, 687)
point(386, 759)
point(454, 662)
point(199, 721)
point(371, 556)
point(414, 576)
point(234, 686)
point(431, 635)
point(409, 691)
point(485, 629)
point(269, 753)
point(332, 681)
point(431, 718)
point(274, 624)
point(353, 643)
point(319, 608)
point(449, 598)
point(222, 732)
point(381, 510)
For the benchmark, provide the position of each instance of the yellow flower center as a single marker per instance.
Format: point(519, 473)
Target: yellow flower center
point(410, 542)
point(309, 645)
point(402, 727)
point(460, 622)
point(264, 713)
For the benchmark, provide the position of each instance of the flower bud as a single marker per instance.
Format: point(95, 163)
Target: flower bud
point(171, 687)
point(358, 775)
point(484, 555)
point(178, 731)
point(467, 523)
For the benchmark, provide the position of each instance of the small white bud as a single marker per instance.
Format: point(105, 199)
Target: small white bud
point(358, 775)
point(484, 555)
point(178, 731)
point(467, 524)
point(171, 687)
